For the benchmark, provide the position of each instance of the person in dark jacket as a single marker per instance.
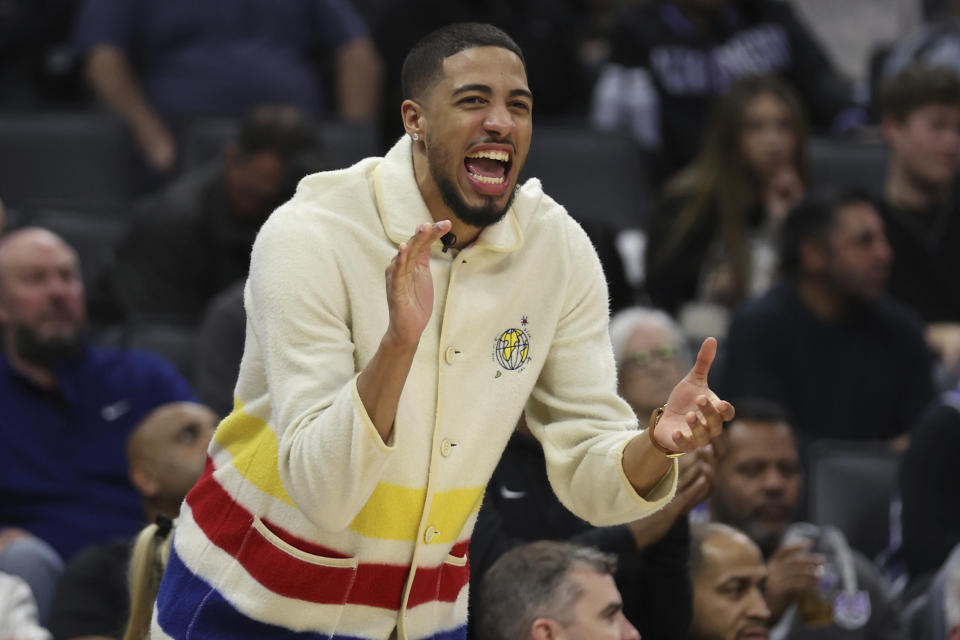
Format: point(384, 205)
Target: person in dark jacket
point(672, 58)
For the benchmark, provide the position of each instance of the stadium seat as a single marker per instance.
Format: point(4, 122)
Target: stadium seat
point(596, 176)
point(93, 237)
point(173, 339)
point(844, 163)
point(852, 485)
point(344, 143)
point(63, 158)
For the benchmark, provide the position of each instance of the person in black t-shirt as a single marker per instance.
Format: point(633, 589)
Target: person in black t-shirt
point(921, 122)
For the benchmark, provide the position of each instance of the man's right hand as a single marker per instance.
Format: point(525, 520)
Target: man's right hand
point(791, 570)
point(410, 285)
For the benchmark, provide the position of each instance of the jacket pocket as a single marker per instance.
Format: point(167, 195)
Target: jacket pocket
point(296, 568)
point(454, 576)
point(271, 563)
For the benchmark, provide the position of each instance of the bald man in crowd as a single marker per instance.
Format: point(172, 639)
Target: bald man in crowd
point(729, 578)
point(68, 407)
point(166, 454)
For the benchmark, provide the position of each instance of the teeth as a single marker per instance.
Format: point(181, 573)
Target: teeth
point(487, 180)
point(501, 156)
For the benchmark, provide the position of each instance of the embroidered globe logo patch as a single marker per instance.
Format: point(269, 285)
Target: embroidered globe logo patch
point(511, 349)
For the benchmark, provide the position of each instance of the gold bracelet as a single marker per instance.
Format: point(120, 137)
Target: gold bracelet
point(654, 420)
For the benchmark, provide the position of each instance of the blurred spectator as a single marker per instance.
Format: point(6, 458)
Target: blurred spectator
point(671, 58)
point(521, 506)
point(193, 239)
point(935, 613)
point(166, 454)
point(36, 66)
point(547, 590)
point(934, 44)
point(930, 488)
point(220, 348)
point(825, 342)
point(652, 356)
point(18, 611)
point(921, 205)
point(851, 31)
point(67, 409)
point(711, 240)
point(548, 31)
point(952, 597)
point(758, 483)
point(157, 62)
point(729, 578)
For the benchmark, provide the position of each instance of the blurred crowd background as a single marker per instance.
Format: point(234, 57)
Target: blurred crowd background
point(779, 174)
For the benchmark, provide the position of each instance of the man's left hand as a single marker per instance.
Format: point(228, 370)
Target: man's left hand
point(694, 414)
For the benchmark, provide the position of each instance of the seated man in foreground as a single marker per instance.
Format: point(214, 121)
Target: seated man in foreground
point(552, 591)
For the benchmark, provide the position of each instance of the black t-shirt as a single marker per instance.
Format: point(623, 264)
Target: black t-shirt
point(930, 490)
point(92, 597)
point(926, 264)
point(520, 506)
point(866, 377)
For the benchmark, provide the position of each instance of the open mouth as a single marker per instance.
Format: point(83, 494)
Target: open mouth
point(489, 169)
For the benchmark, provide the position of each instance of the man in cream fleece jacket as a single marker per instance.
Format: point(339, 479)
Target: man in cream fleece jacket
point(341, 492)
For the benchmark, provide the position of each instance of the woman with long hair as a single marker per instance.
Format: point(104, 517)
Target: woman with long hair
point(706, 242)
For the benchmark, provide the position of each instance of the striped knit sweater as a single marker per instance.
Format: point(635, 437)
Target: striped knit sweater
point(305, 523)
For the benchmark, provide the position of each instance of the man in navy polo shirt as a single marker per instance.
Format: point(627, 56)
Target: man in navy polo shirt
point(67, 409)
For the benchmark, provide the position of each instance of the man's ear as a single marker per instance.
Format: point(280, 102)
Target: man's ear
point(545, 629)
point(813, 256)
point(413, 117)
point(143, 479)
point(891, 127)
point(231, 154)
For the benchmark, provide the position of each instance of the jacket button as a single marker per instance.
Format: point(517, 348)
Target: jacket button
point(451, 355)
point(446, 448)
point(430, 534)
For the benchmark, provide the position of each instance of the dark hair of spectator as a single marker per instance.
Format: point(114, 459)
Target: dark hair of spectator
point(918, 86)
point(281, 129)
point(532, 581)
point(811, 221)
point(424, 64)
point(720, 181)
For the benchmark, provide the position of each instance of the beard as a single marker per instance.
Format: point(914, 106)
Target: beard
point(476, 216)
point(47, 352)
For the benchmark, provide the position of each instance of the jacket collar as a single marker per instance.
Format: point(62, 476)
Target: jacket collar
point(402, 208)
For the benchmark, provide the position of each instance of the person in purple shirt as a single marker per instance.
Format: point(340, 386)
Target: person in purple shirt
point(68, 408)
point(156, 62)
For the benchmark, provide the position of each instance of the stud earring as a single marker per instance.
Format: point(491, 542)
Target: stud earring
point(416, 137)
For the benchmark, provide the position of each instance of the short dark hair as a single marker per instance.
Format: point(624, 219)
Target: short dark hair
point(424, 63)
point(756, 409)
point(281, 129)
point(533, 581)
point(812, 220)
point(918, 86)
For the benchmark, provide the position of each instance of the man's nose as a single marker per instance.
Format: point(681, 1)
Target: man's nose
point(627, 630)
point(498, 121)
